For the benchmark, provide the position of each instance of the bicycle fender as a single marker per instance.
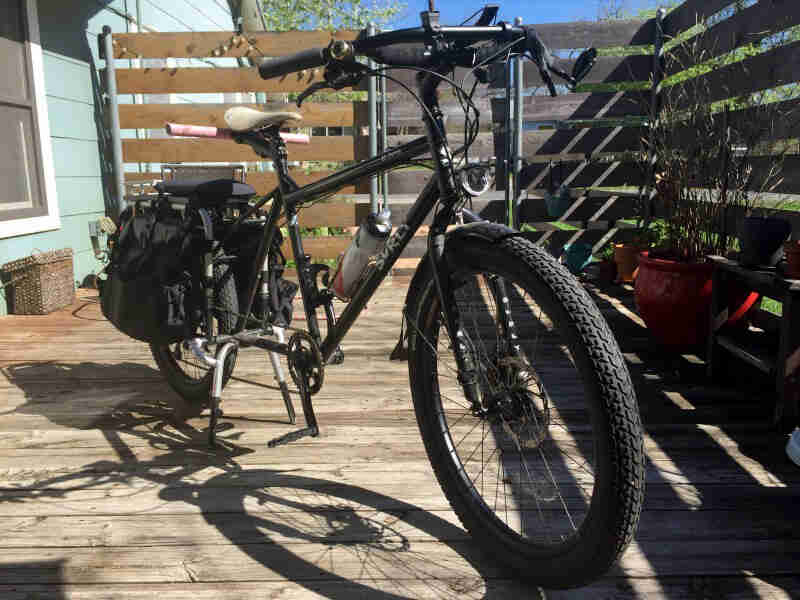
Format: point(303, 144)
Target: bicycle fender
point(486, 231)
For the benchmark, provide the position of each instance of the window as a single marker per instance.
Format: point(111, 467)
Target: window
point(27, 182)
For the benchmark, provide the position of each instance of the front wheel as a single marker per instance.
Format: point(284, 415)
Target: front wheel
point(544, 465)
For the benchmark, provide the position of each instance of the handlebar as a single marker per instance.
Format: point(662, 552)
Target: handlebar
point(307, 59)
point(414, 47)
point(403, 47)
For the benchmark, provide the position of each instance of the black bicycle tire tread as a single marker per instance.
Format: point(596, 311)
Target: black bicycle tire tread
point(627, 456)
point(198, 393)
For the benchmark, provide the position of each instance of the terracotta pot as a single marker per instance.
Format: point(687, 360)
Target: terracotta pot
point(791, 251)
point(627, 258)
point(606, 271)
point(673, 298)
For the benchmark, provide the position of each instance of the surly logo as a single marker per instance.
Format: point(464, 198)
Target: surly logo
point(393, 244)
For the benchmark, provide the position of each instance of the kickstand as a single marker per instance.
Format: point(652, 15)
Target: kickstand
point(276, 366)
point(400, 351)
point(311, 428)
point(216, 390)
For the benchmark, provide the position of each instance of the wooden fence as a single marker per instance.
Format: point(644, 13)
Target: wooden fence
point(583, 140)
point(588, 153)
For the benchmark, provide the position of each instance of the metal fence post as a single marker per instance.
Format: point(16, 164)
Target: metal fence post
point(113, 108)
point(372, 101)
point(384, 142)
point(508, 141)
point(648, 193)
point(518, 124)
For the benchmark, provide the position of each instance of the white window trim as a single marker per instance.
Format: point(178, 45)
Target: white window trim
point(52, 219)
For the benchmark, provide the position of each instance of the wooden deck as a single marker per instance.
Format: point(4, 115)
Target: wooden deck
point(105, 492)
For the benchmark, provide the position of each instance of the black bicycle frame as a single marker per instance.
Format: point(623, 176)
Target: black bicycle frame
point(288, 197)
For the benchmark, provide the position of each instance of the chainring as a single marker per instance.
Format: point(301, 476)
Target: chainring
point(305, 360)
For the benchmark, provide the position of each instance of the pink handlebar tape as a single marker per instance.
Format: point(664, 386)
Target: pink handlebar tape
point(225, 134)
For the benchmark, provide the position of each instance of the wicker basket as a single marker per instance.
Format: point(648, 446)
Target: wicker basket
point(41, 283)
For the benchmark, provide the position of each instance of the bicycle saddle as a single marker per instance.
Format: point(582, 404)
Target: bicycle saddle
point(242, 118)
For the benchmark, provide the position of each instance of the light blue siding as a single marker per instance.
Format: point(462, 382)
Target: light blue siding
point(80, 195)
point(76, 158)
point(67, 78)
point(68, 31)
point(71, 119)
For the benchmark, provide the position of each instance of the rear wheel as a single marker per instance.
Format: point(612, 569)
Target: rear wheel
point(186, 374)
point(545, 468)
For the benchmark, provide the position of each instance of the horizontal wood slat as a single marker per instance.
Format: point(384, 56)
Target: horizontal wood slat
point(691, 12)
point(598, 207)
point(600, 34)
point(262, 182)
point(576, 141)
point(323, 247)
point(790, 174)
point(153, 116)
point(196, 44)
point(750, 25)
point(578, 106)
point(779, 66)
point(200, 81)
point(588, 174)
point(204, 150)
point(607, 69)
point(400, 182)
point(339, 148)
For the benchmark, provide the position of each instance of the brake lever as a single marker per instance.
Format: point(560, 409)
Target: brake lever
point(312, 89)
point(338, 75)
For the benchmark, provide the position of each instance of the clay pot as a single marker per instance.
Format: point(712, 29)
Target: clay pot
point(627, 258)
point(606, 271)
point(673, 299)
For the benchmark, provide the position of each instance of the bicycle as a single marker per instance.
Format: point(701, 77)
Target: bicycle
point(522, 397)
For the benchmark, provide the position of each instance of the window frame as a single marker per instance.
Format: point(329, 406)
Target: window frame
point(33, 51)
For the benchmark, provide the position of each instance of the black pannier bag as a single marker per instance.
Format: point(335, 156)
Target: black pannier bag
point(278, 303)
point(148, 290)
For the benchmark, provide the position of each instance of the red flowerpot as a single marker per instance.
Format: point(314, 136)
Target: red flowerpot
point(673, 299)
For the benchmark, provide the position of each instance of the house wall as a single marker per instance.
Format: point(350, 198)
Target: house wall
point(79, 137)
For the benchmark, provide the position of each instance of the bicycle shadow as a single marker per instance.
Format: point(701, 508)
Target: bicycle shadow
point(126, 396)
point(270, 515)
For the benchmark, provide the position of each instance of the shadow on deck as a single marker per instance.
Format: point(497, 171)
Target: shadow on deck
point(105, 473)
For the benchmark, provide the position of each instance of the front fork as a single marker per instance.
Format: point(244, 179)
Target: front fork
point(449, 198)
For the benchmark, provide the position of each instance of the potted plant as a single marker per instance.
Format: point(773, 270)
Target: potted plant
point(606, 268)
point(705, 184)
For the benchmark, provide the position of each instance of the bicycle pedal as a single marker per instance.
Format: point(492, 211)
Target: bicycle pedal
point(293, 436)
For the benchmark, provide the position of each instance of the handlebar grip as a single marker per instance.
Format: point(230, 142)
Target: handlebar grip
point(405, 55)
point(283, 65)
point(176, 129)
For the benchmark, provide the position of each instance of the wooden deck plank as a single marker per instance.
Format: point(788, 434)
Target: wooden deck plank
point(316, 516)
point(741, 587)
point(100, 484)
point(423, 561)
